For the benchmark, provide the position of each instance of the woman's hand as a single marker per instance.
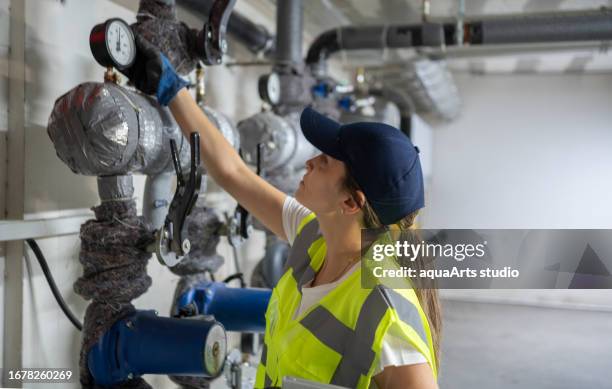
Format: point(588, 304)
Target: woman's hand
point(417, 376)
point(152, 73)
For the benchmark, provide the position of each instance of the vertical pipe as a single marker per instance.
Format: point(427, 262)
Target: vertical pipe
point(13, 271)
point(289, 27)
point(156, 199)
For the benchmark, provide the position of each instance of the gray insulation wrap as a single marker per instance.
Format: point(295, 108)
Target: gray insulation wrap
point(203, 227)
point(114, 258)
point(103, 129)
point(157, 23)
point(578, 26)
point(284, 152)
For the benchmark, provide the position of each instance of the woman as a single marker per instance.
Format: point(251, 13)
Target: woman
point(321, 324)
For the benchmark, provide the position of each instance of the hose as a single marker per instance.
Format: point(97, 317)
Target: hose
point(58, 297)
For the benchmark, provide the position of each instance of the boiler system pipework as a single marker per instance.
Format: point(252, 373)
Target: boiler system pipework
point(112, 132)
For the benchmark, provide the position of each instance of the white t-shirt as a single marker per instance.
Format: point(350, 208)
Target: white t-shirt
point(395, 351)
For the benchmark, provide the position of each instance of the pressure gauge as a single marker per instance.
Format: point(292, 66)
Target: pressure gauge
point(270, 88)
point(112, 44)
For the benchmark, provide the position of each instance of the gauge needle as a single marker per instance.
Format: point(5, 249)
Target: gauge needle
point(118, 40)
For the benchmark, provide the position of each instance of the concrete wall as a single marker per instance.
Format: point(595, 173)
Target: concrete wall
point(528, 151)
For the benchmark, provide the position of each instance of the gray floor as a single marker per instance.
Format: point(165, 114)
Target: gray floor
point(511, 346)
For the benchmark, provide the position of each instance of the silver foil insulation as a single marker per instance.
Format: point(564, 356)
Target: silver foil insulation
point(284, 148)
point(103, 129)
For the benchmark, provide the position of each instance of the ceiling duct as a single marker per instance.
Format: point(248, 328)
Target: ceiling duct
point(429, 84)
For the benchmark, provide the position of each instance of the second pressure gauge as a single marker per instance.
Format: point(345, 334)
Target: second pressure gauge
point(112, 44)
point(270, 88)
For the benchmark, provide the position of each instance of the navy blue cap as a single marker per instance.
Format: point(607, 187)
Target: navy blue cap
point(381, 158)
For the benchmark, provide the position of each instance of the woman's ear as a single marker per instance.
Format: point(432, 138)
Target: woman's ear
point(353, 204)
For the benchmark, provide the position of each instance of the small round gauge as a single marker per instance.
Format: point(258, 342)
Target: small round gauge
point(112, 44)
point(270, 88)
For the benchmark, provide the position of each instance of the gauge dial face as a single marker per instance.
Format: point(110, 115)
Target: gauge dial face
point(120, 43)
point(273, 88)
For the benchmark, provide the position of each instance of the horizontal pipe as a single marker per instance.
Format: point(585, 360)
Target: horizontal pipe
point(255, 37)
point(561, 27)
point(542, 28)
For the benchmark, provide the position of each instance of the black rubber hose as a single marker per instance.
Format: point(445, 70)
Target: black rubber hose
point(58, 297)
point(235, 276)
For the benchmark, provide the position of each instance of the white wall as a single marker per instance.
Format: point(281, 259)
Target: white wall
point(528, 151)
point(58, 58)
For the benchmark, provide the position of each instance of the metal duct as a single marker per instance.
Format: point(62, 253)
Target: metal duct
point(556, 27)
point(431, 87)
point(376, 109)
point(427, 84)
point(255, 37)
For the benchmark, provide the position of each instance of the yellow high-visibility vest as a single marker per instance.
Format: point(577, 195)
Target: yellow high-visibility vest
point(339, 339)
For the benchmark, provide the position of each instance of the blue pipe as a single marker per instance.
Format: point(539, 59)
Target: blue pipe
point(238, 309)
point(143, 343)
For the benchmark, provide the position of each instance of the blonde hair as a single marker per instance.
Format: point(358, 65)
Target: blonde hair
point(428, 297)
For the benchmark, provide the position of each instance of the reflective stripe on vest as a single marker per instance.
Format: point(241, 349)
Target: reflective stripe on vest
point(347, 329)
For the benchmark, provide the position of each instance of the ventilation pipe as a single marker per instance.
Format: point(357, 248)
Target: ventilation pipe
point(556, 27)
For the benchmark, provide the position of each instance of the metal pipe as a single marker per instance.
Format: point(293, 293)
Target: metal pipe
point(289, 27)
point(274, 259)
point(557, 27)
point(156, 199)
point(560, 27)
point(255, 37)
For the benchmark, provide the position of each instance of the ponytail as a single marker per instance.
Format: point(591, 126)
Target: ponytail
point(428, 297)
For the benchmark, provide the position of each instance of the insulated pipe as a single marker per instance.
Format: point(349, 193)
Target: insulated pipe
point(289, 27)
point(558, 27)
point(255, 37)
point(561, 27)
point(103, 129)
point(274, 259)
point(156, 199)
